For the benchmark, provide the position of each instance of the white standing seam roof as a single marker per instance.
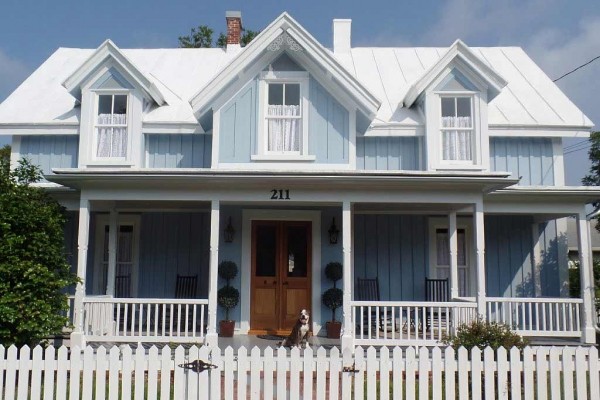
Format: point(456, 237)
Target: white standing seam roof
point(530, 98)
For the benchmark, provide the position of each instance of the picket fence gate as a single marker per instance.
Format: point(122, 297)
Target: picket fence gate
point(424, 373)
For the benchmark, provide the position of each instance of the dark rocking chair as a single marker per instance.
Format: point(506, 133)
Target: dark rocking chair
point(436, 290)
point(367, 289)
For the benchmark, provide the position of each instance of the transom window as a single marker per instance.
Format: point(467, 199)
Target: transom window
point(284, 118)
point(457, 128)
point(111, 126)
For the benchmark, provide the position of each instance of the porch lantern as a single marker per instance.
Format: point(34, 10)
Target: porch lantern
point(229, 232)
point(333, 232)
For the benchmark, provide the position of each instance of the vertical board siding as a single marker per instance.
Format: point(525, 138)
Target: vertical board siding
point(387, 153)
point(554, 259)
point(179, 151)
point(51, 151)
point(393, 248)
point(238, 126)
point(328, 126)
point(171, 244)
point(528, 158)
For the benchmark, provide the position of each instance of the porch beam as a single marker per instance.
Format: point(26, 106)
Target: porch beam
point(77, 336)
point(112, 252)
point(585, 276)
point(452, 235)
point(348, 333)
point(211, 334)
point(479, 235)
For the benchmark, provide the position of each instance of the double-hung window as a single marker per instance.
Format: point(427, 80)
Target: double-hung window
point(284, 118)
point(111, 126)
point(457, 129)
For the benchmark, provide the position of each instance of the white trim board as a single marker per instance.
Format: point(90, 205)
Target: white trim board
point(249, 215)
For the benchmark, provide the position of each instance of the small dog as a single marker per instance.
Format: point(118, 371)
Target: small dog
point(299, 335)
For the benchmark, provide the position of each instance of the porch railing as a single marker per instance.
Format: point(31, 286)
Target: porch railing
point(408, 323)
point(152, 320)
point(558, 317)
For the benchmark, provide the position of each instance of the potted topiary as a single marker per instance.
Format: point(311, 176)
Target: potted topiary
point(228, 297)
point(333, 298)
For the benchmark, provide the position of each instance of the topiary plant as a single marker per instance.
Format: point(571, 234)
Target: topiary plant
point(228, 270)
point(333, 299)
point(228, 297)
point(479, 333)
point(334, 272)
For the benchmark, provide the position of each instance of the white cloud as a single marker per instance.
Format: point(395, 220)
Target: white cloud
point(12, 73)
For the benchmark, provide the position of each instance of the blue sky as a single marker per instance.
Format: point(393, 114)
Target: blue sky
point(558, 34)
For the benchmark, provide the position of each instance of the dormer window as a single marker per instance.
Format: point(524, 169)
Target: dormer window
point(111, 128)
point(283, 132)
point(456, 128)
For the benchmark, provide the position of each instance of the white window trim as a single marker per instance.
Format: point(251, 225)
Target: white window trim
point(112, 161)
point(267, 77)
point(466, 163)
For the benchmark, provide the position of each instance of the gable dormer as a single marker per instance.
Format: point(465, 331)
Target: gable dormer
point(453, 95)
point(112, 92)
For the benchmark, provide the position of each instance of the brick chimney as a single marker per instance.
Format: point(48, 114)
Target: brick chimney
point(234, 28)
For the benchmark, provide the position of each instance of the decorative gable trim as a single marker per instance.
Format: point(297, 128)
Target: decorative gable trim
point(285, 33)
point(468, 59)
point(108, 50)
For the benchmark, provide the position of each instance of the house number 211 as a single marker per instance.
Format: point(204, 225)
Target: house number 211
point(280, 194)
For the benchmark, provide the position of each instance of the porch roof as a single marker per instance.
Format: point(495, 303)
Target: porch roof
point(578, 194)
point(192, 178)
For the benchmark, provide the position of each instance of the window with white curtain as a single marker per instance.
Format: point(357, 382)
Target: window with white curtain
point(284, 118)
point(457, 128)
point(111, 126)
point(442, 250)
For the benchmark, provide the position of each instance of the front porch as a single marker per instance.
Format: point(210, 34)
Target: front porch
point(414, 235)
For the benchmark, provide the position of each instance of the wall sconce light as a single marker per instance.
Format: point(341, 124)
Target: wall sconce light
point(229, 232)
point(333, 233)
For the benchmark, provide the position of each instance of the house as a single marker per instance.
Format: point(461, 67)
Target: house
point(425, 163)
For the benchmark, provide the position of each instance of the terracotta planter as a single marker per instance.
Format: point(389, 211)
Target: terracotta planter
point(226, 328)
point(334, 329)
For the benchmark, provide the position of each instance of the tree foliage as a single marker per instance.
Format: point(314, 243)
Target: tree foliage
point(5, 158)
point(593, 178)
point(202, 37)
point(33, 267)
point(480, 333)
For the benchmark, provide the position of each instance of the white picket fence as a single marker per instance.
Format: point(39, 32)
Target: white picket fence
point(123, 373)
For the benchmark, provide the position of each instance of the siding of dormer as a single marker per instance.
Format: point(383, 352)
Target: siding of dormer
point(179, 151)
point(529, 158)
point(387, 153)
point(328, 121)
point(50, 151)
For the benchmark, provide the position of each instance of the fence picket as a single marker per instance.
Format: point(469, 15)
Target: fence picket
point(179, 374)
point(515, 373)
point(153, 367)
point(424, 373)
point(269, 367)
point(255, 368)
point(203, 378)
point(581, 373)
point(594, 373)
point(567, 366)
point(113, 373)
point(215, 374)
point(450, 369)
point(295, 374)
point(140, 361)
point(476, 369)
point(23, 384)
point(242, 381)
point(307, 375)
point(88, 373)
point(359, 375)
point(502, 367)
point(528, 386)
point(281, 374)
point(165, 373)
point(11, 372)
point(398, 368)
point(36, 373)
point(192, 378)
point(347, 362)
point(541, 366)
point(334, 374)
point(321, 373)
point(488, 365)
point(371, 373)
point(3, 367)
point(100, 372)
point(555, 371)
point(463, 377)
point(127, 356)
point(228, 361)
point(384, 373)
point(411, 365)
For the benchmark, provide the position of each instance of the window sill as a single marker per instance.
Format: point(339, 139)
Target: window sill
point(110, 163)
point(455, 167)
point(282, 157)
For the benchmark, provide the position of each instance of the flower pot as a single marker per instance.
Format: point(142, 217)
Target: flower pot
point(334, 329)
point(226, 328)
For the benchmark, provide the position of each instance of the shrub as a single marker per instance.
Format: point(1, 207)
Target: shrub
point(228, 270)
point(228, 297)
point(482, 334)
point(334, 271)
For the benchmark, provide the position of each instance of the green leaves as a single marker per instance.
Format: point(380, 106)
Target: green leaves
point(33, 268)
point(202, 37)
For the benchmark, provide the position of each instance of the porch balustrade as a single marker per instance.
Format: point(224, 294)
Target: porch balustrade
point(151, 320)
point(537, 317)
point(408, 323)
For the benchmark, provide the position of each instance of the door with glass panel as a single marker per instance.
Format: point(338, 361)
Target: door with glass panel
point(441, 258)
point(281, 274)
point(126, 267)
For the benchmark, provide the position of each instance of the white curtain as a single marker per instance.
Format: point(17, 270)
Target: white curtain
point(443, 247)
point(457, 145)
point(112, 140)
point(284, 133)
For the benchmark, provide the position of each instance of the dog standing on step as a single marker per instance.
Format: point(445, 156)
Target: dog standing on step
point(299, 335)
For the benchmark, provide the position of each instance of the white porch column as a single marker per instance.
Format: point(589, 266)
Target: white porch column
point(453, 239)
point(585, 276)
point(348, 333)
point(479, 234)
point(77, 336)
point(113, 228)
point(211, 335)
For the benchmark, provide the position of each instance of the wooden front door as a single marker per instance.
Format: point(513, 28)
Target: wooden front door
point(281, 274)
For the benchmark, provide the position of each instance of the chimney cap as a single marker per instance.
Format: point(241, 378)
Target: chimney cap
point(233, 14)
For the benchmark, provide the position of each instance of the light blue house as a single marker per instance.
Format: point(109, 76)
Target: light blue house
point(403, 164)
